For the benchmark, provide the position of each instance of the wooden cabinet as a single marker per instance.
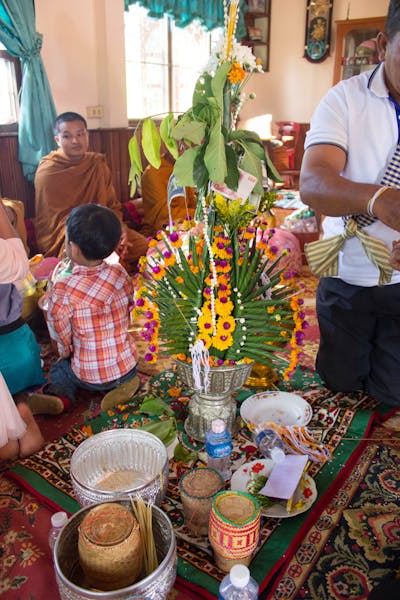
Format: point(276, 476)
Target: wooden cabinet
point(257, 20)
point(354, 46)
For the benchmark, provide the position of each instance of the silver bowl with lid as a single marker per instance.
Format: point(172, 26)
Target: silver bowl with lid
point(155, 586)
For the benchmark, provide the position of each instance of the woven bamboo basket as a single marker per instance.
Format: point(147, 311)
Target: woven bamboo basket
point(197, 488)
point(234, 528)
point(109, 547)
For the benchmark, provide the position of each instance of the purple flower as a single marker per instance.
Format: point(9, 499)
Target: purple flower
point(148, 357)
point(140, 302)
point(174, 237)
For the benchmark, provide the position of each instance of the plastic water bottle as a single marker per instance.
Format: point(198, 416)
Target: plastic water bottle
point(238, 585)
point(271, 445)
point(219, 448)
point(58, 520)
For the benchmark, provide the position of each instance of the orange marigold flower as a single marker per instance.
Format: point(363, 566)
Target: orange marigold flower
point(158, 272)
point(179, 279)
point(237, 73)
point(180, 356)
point(174, 392)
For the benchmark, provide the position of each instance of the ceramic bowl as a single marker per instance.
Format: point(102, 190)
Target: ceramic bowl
point(281, 408)
point(117, 463)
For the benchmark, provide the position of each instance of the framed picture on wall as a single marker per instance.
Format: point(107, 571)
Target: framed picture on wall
point(318, 30)
point(258, 6)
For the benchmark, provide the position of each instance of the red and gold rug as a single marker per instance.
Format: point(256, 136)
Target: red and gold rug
point(341, 548)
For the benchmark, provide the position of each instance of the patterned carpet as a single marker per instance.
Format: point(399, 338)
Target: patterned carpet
point(346, 545)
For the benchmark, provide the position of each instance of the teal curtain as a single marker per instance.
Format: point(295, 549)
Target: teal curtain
point(37, 110)
point(210, 13)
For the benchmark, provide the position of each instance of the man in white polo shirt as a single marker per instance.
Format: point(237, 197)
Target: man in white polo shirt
point(354, 134)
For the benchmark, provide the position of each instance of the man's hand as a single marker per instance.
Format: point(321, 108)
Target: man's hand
point(395, 255)
point(124, 244)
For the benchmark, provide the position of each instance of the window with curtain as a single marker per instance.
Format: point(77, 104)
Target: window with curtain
point(163, 62)
point(10, 81)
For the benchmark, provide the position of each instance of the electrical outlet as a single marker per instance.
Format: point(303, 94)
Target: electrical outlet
point(95, 112)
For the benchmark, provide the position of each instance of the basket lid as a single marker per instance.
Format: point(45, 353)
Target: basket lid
point(236, 507)
point(107, 525)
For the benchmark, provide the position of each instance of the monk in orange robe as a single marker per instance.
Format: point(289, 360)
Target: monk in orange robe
point(69, 177)
point(154, 185)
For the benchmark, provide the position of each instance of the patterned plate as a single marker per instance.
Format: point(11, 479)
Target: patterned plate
point(304, 496)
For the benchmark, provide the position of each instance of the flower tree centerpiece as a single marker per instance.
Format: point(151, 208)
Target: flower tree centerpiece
point(216, 296)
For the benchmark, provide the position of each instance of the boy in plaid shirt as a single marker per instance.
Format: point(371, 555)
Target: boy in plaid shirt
point(88, 315)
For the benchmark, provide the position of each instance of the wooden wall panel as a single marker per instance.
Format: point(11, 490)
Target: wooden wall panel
point(12, 181)
point(111, 142)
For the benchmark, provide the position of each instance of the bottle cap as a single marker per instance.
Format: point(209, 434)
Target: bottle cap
point(264, 433)
point(59, 519)
point(218, 425)
point(239, 576)
point(277, 455)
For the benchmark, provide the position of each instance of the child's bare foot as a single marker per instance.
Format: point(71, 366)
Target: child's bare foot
point(32, 440)
point(10, 450)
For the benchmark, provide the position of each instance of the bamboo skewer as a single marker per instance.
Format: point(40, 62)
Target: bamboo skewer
point(143, 514)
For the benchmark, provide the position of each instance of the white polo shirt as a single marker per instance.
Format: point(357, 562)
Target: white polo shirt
point(358, 116)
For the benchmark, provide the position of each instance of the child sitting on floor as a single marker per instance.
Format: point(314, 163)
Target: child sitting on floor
point(88, 315)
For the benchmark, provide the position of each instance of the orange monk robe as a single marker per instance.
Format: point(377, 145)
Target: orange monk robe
point(60, 185)
point(17, 213)
point(155, 199)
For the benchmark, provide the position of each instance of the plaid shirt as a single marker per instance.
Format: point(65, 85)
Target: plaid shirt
point(88, 316)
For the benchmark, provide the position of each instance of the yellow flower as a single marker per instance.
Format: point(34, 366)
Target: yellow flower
point(222, 342)
point(206, 339)
point(223, 306)
point(204, 323)
point(226, 325)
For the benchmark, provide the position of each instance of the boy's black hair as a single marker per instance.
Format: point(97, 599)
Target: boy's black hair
point(95, 229)
point(65, 118)
point(393, 19)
